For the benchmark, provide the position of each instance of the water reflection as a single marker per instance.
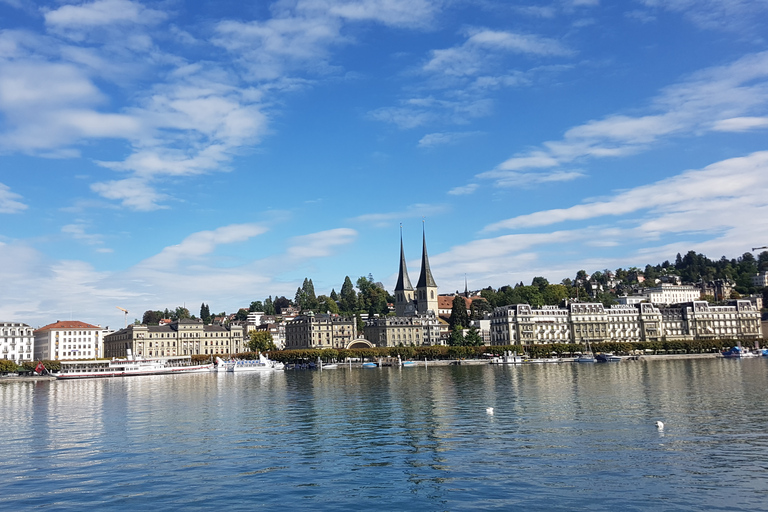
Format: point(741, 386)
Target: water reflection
point(395, 438)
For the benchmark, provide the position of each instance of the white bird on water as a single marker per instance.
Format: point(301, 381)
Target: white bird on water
point(659, 425)
point(489, 410)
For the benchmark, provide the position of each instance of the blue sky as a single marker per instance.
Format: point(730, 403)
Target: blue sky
point(155, 154)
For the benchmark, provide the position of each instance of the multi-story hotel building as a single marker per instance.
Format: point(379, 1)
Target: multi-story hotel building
point(319, 331)
point(17, 342)
point(179, 338)
point(68, 340)
point(520, 324)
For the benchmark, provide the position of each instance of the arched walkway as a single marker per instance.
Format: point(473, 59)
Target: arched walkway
point(360, 343)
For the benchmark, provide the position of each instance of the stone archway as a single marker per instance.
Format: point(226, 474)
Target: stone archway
point(359, 343)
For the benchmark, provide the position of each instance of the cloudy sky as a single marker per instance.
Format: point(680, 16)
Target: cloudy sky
point(164, 153)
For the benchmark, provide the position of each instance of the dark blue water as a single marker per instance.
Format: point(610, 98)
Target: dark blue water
point(562, 437)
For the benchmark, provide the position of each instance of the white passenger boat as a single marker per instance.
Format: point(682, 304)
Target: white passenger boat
point(130, 366)
point(508, 357)
point(262, 364)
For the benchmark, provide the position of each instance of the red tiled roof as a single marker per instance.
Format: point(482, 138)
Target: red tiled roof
point(446, 301)
point(68, 324)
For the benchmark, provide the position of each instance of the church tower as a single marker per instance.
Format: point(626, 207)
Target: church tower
point(404, 305)
point(426, 289)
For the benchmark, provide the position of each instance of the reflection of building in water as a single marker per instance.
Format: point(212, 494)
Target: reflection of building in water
point(16, 342)
point(68, 340)
point(520, 324)
point(180, 338)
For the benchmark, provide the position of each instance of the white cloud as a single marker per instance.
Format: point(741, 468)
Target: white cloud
point(77, 232)
point(463, 191)
point(101, 13)
point(202, 243)
point(729, 15)
point(320, 245)
point(133, 193)
point(689, 195)
point(439, 139)
point(10, 201)
point(483, 49)
point(706, 101)
point(740, 124)
point(412, 211)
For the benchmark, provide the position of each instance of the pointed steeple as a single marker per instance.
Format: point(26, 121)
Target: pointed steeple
point(425, 278)
point(403, 281)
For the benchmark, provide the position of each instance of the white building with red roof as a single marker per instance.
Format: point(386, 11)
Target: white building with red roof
point(68, 340)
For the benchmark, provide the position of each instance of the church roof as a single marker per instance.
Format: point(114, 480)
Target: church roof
point(425, 278)
point(403, 281)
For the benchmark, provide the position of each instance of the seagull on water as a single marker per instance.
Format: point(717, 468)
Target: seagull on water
point(489, 410)
point(659, 425)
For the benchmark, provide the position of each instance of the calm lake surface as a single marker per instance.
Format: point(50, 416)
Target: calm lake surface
point(562, 437)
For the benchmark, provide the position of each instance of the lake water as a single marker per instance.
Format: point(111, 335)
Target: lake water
point(562, 437)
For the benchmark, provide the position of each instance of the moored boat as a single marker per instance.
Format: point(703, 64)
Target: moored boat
point(508, 357)
point(130, 366)
point(737, 352)
point(261, 364)
point(608, 357)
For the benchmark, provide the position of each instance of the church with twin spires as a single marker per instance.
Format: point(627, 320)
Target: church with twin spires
point(424, 300)
point(415, 322)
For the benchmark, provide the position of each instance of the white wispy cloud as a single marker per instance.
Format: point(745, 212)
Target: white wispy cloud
point(440, 139)
point(464, 190)
point(101, 13)
point(706, 101)
point(676, 201)
point(740, 124)
point(412, 211)
point(729, 15)
point(10, 201)
point(319, 245)
point(202, 243)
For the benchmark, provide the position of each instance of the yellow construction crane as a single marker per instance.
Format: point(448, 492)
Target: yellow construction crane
point(126, 314)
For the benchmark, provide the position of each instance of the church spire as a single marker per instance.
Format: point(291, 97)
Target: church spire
point(425, 278)
point(403, 281)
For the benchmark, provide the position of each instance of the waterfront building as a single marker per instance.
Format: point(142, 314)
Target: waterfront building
point(276, 329)
point(68, 340)
point(179, 338)
point(520, 324)
point(17, 342)
point(739, 320)
point(319, 331)
point(664, 294)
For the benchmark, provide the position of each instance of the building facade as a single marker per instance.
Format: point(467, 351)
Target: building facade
point(17, 342)
point(312, 331)
point(68, 340)
point(179, 338)
point(580, 323)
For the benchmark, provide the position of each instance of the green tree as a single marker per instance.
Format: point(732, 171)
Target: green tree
point(326, 305)
point(205, 313)
point(459, 316)
point(261, 341)
point(152, 317)
point(241, 315)
point(256, 305)
point(540, 283)
point(479, 308)
point(473, 338)
point(269, 306)
point(281, 303)
point(457, 337)
point(8, 366)
point(181, 313)
point(348, 297)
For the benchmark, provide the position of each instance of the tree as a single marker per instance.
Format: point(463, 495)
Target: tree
point(269, 306)
point(181, 313)
point(459, 317)
point(348, 297)
point(152, 317)
point(479, 308)
point(261, 341)
point(540, 283)
point(457, 337)
point(205, 313)
point(281, 303)
point(256, 306)
point(241, 315)
point(473, 338)
point(326, 305)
